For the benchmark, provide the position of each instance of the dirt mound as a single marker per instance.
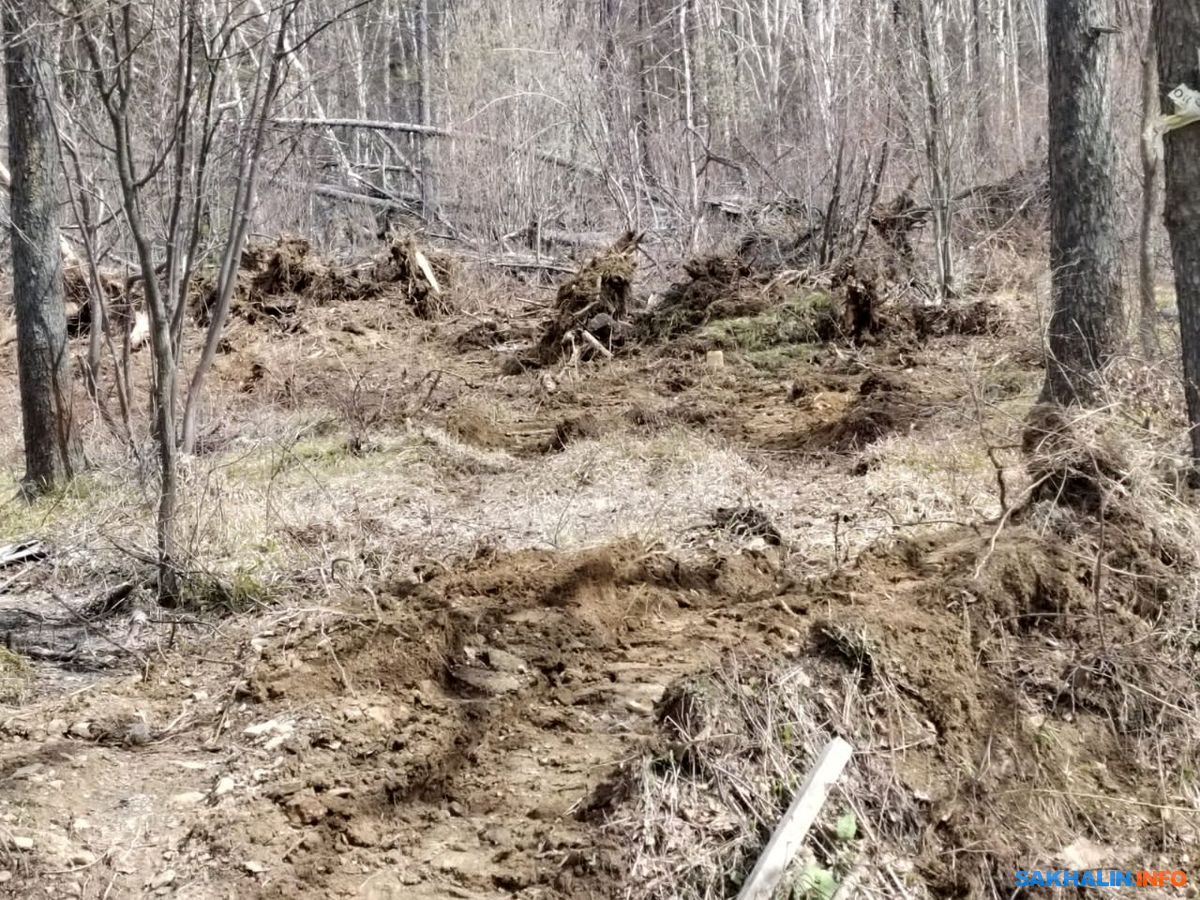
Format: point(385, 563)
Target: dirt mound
point(733, 308)
point(886, 404)
point(476, 709)
point(1071, 458)
point(981, 317)
point(591, 308)
point(280, 278)
point(716, 287)
point(1000, 698)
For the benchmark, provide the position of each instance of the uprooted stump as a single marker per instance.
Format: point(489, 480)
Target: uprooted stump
point(275, 280)
point(1071, 462)
point(861, 301)
point(78, 285)
point(421, 277)
point(592, 303)
point(727, 307)
point(716, 287)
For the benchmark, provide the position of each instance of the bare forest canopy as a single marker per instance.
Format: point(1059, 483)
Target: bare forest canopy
point(489, 119)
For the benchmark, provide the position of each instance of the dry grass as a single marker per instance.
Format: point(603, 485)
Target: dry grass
point(334, 474)
point(737, 742)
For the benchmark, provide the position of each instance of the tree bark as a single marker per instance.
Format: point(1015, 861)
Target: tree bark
point(932, 41)
point(429, 198)
point(1086, 322)
point(52, 447)
point(1177, 26)
point(1151, 197)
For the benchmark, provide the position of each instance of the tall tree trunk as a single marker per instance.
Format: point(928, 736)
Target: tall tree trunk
point(1177, 25)
point(1086, 322)
point(1151, 196)
point(691, 171)
point(932, 41)
point(429, 202)
point(52, 447)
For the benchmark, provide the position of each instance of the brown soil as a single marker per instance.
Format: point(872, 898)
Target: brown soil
point(280, 278)
point(595, 300)
point(464, 716)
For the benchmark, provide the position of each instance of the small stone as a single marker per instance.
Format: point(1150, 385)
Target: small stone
point(188, 798)
point(271, 726)
point(352, 714)
point(254, 867)
point(503, 661)
point(26, 771)
point(362, 833)
point(81, 730)
point(80, 825)
point(138, 734)
point(57, 726)
point(21, 842)
point(286, 789)
point(199, 696)
point(162, 879)
point(224, 786)
point(494, 684)
point(5, 876)
point(381, 715)
point(306, 808)
point(457, 809)
point(83, 858)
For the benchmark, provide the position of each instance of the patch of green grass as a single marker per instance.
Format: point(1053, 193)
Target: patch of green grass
point(323, 455)
point(241, 591)
point(14, 676)
point(801, 319)
point(75, 501)
point(814, 883)
point(781, 358)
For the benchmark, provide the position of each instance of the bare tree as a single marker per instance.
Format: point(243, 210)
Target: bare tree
point(211, 54)
point(931, 28)
point(52, 447)
point(425, 111)
point(1086, 322)
point(1151, 197)
point(1177, 27)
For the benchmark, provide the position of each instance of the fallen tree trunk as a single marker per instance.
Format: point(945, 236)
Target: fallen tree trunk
point(435, 131)
point(405, 202)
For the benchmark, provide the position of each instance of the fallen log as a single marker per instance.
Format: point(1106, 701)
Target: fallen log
point(435, 131)
point(26, 551)
point(404, 202)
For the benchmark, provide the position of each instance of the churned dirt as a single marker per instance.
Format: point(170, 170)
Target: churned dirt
point(524, 622)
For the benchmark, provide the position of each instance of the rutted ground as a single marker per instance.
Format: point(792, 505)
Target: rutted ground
point(481, 586)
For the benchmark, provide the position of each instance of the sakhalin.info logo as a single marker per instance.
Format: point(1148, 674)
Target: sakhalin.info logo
point(1101, 878)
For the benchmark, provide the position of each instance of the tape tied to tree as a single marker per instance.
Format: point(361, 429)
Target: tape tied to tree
point(1187, 110)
